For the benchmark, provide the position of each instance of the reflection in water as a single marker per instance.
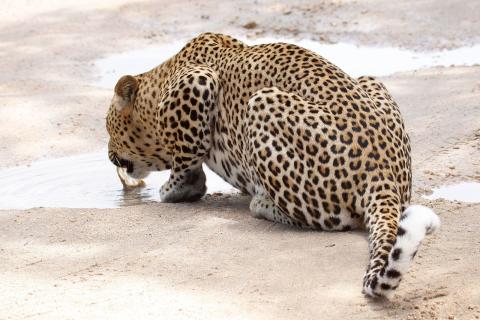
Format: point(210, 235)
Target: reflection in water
point(85, 181)
point(137, 196)
point(464, 192)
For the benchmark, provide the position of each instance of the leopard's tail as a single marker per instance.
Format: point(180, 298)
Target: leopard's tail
point(415, 222)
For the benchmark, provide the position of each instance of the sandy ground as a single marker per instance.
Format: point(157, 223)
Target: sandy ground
point(211, 260)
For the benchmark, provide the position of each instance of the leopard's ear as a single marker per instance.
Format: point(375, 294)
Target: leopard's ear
point(125, 91)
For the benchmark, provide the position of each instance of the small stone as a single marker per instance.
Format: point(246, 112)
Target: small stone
point(250, 25)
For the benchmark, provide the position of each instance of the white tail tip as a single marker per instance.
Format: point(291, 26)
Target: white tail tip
point(417, 216)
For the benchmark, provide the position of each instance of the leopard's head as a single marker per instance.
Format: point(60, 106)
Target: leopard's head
point(134, 144)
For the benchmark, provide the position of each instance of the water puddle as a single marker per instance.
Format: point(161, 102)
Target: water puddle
point(85, 181)
point(463, 192)
point(355, 60)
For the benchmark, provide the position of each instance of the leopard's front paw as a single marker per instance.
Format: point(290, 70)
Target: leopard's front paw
point(188, 188)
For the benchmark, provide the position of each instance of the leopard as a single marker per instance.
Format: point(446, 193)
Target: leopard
point(312, 146)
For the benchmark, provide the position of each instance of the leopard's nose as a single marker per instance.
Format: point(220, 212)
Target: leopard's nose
point(119, 162)
point(114, 159)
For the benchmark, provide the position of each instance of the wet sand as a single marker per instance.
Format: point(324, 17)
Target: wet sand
point(212, 260)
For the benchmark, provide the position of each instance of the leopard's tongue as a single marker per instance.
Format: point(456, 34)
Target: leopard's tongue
point(127, 181)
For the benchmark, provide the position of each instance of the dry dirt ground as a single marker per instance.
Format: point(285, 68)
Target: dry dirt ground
point(212, 260)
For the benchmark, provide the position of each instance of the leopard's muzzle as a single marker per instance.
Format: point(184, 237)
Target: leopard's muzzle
point(119, 162)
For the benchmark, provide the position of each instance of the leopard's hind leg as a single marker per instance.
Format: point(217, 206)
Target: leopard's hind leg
point(283, 154)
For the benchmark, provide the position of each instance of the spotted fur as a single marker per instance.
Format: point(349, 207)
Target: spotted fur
point(314, 147)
